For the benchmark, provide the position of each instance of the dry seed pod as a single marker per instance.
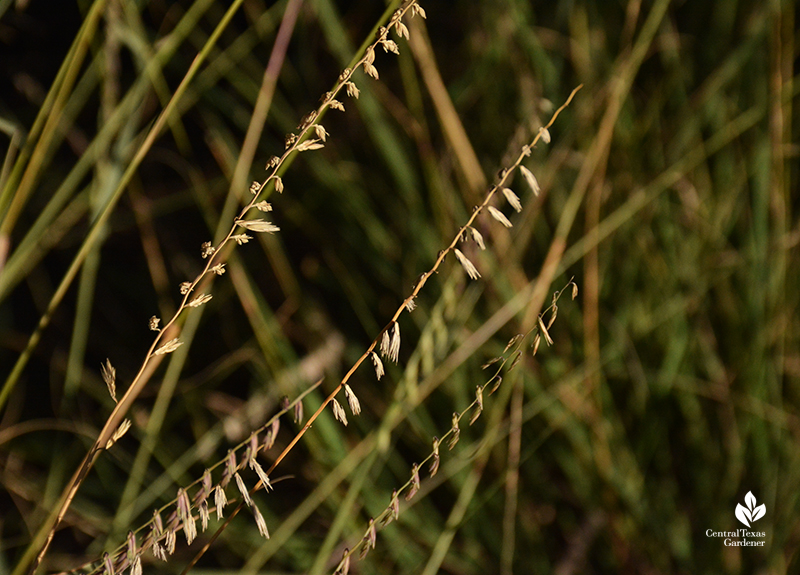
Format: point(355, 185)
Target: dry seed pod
point(434, 467)
point(533, 183)
point(456, 432)
point(206, 484)
point(401, 30)
point(170, 539)
point(186, 517)
point(344, 566)
point(352, 400)
point(220, 500)
point(476, 235)
point(168, 347)
point(512, 199)
point(298, 412)
point(498, 379)
point(352, 90)
point(338, 411)
point(468, 266)
point(183, 504)
point(207, 250)
point(499, 216)
point(553, 317)
point(371, 535)
point(260, 523)
point(252, 448)
point(386, 342)
point(390, 46)
point(121, 430)
point(414, 482)
point(546, 334)
point(157, 525)
point(491, 362)
point(478, 405)
point(108, 564)
point(513, 341)
point(158, 551)
point(545, 134)
point(243, 489)
point(371, 70)
point(230, 469)
point(110, 378)
point(305, 122)
point(394, 349)
point(395, 505)
point(376, 361)
point(200, 300)
point(312, 144)
point(204, 514)
point(258, 225)
point(272, 433)
point(262, 475)
point(131, 551)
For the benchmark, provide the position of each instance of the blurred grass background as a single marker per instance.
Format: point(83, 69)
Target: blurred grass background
point(669, 194)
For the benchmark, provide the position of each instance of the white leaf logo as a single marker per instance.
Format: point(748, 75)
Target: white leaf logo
point(751, 513)
point(743, 515)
